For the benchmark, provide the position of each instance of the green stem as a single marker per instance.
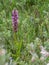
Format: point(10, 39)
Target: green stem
point(18, 45)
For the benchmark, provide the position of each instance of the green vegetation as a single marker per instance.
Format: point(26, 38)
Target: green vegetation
point(30, 44)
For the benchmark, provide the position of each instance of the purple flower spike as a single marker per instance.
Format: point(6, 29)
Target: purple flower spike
point(15, 20)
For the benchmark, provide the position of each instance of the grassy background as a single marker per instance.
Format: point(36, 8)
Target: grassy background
point(33, 23)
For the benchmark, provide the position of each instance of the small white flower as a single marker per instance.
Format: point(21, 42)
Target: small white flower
point(47, 63)
point(6, 63)
point(42, 48)
point(33, 59)
point(31, 45)
point(2, 51)
point(42, 58)
point(44, 52)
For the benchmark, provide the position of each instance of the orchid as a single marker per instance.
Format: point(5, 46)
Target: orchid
point(15, 20)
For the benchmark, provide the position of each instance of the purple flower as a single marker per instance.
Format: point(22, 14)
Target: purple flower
point(15, 20)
